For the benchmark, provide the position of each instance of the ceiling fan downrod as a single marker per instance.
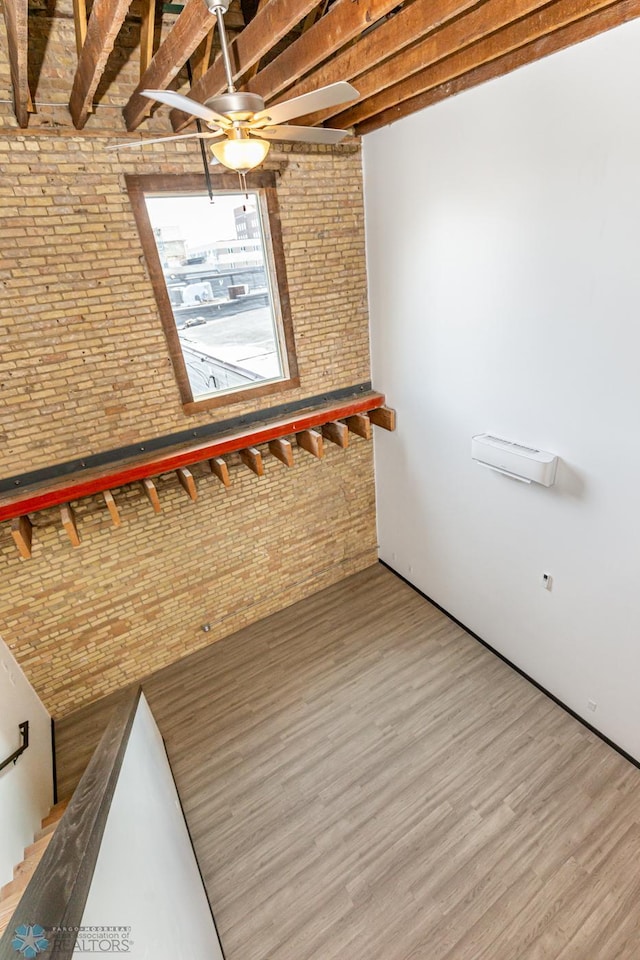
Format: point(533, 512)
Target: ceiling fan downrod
point(219, 8)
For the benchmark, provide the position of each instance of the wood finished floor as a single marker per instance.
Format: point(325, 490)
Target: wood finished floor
point(364, 781)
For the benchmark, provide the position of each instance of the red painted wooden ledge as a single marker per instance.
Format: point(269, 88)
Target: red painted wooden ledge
point(84, 484)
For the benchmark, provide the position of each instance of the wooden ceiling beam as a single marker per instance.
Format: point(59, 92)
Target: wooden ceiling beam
point(315, 14)
point(80, 23)
point(201, 56)
point(15, 18)
point(147, 33)
point(509, 37)
point(270, 24)
point(344, 21)
point(590, 26)
point(412, 22)
point(459, 34)
point(103, 28)
point(251, 72)
point(191, 27)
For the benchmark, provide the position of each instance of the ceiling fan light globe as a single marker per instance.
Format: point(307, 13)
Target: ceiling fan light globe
point(241, 155)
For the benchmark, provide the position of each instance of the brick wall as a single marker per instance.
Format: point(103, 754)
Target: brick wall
point(83, 349)
point(85, 368)
point(85, 621)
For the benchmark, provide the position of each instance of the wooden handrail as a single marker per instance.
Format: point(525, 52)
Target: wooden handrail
point(97, 480)
point(56, 895)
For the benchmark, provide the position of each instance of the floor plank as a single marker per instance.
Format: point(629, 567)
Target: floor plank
point(362, 779)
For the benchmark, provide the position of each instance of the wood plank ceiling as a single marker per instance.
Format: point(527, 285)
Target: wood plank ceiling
point(401, 56)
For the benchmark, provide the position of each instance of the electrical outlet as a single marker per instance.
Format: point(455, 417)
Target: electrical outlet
point(592, 705)
point(546, 581)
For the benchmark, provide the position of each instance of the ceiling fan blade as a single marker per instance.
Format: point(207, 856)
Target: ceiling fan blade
point(303, 134)
point(331, 96)
point(134, 144)
point(192, 107)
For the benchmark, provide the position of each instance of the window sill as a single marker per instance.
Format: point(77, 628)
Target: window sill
point(240, 396)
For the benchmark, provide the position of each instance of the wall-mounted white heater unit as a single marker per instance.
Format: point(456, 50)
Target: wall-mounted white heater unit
point(514, 460)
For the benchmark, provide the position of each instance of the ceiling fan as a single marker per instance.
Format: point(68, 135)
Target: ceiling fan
point(239, 123)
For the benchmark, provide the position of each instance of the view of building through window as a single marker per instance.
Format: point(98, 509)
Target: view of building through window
point(218, 280)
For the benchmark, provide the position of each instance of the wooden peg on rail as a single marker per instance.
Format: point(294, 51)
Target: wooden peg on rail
point(68, 518)
point(360, 424)
point(311, 441)
point(337, 433)
point(282, 450)
point(188, 483)
point(383, 417)
point(252, 458)
point(22, 533)
point(220, 469)
point(149, 488)
point(113, 507)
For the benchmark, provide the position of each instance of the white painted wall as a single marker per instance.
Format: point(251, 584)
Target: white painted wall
point(26, 789)
point(503, 236)
point(146, 875)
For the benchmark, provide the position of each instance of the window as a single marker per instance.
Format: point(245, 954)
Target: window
point(218, 275)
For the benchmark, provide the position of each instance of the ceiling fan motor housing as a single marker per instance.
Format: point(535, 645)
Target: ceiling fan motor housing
point(237, 105)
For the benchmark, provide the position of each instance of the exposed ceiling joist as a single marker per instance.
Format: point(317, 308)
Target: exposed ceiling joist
point(80, 23)
point(344, 21)
point(314, 15)
point(576, 32)
point(15, 18)
point(251, 72)
point(401, 55)
point(103, 27)
point(453, 37)
point(414, 21)
point(270, 24)
point(147, 32)
point(191, 27)
point(201, 56)
point(544, 20)
point(590, 26)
